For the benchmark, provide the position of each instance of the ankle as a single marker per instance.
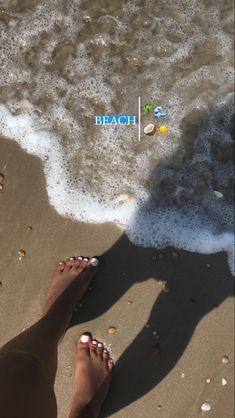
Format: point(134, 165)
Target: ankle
point(83, 410)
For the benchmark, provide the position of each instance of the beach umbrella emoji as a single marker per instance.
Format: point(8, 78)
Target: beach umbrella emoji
point(149, 108)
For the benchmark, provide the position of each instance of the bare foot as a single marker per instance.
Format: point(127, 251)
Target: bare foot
point(66, 272)
point(92, 378)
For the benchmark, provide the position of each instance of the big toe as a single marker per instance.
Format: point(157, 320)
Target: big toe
point(83, 344)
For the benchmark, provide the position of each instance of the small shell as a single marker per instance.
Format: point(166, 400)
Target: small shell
point(208, 380)
point(25, 106)
point(125, 198)
point(224, 381)
point(206, 407)
point(21, 253)
point(1, 186)
point(166, 287)
point(218, 194)
point(225, 359)
point(2, 177)
point(111, 330)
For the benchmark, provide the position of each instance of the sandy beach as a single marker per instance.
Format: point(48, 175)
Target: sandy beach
point(172, 310)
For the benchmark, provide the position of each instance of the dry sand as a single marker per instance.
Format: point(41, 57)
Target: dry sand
point(161, 368)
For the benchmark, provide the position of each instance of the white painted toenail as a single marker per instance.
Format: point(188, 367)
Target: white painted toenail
point(86, 259)
point(94, 262)
point(80, 258)
point(105, 351)
point(100, 345)
point(84, 339)
point(61, 263)
point(72, 258)
point(94, 342)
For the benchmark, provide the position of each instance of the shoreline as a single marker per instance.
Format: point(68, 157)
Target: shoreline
point(194, 318)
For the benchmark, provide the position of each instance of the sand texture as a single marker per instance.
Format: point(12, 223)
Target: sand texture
point(173, 313)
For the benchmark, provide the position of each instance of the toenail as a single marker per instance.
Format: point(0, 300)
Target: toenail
point(94, 342)
point(106, 351)
point(61, 263)
point(84, 339)
point(80, 258)
point(100, 345)
point(72, 258)
point(86, 259)
point(94, 262)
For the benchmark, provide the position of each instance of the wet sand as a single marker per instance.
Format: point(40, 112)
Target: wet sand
point(168, 340)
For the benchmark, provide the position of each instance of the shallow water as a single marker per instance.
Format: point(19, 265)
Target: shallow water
point(65, 62)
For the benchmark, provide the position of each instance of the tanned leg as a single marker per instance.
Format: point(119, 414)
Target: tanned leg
point(28, 362)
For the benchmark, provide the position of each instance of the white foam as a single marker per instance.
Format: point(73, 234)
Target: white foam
point(144, 225)
point(86, 172)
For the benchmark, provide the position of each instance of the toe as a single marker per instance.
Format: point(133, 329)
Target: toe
point(76, 265)
point(105, 354)
point(84, 262)
point(110, 364)
point(83, 344)
point(60, 267)
point(70, 262)
point(100, 349)
point(93, 348)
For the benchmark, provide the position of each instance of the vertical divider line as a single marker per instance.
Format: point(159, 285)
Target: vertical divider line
point(139, 124)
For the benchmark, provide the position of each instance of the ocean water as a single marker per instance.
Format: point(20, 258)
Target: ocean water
point(65, 61)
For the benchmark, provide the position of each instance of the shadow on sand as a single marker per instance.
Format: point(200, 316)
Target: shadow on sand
point(195, 289)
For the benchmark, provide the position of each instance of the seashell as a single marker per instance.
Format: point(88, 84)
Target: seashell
point(125, 198)
point(2, 177)
point(225, 359)
point(87, 19)
point(206, 407)
point(166, 287)
point(208, 380)
point(25, 106)
point(224, 381)
point(150, 129)
point(218, 194)
point(21, 253)
point(111, 330)
point(1, 186)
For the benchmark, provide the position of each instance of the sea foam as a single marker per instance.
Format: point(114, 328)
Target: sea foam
point(63, 63)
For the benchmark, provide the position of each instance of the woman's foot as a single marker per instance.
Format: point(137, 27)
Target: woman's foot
point(70, 282)
point(92, 378)
point(66, 272)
